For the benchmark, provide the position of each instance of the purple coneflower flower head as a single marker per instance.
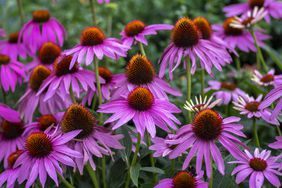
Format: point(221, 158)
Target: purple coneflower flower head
point(136, 30)
point(11, 138)
point(201, 104)
point(43, 123)
point(259, 166)
point(187, 43)
point(10, 174)
point(29, 102)
point(107, 86)
point(144, 109)
point(183, 179)
point(11, 72)
point(249, 106)
point(226, 91)
point(42, 28)
point(239, 37)
point(270, 98)
point(2, 32)
point(268, 79)
point(47, 54)
point(250, 19)
point(92, 140)
point(163, 146)
point(140, 72)
point(43, 156)
point(63, 79)
point(277, 144)
point(272, 7)
point(94, 43)
point(201, 138)
point(13, 47)
point(205, 29)
point(103, 1)
point(9, 114)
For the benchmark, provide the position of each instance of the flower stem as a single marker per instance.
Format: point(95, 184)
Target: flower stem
point(152, 160)
point(133, 162)
point(93, 11)
point(4, 95)
point(20, 6)
point(255, 133)
point(92, 175)
point(109, 24)
point(188, 76)
point(202, 82)
point(96, 67)
point(72, 95)
point(211, 178)
point(260, 58)
point(65, 182)
point(238, 64)
point(104, 172)
point(141, 47)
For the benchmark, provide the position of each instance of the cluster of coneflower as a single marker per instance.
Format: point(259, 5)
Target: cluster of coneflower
point(61, 122)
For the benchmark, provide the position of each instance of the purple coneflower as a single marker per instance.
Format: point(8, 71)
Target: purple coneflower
point(140, 72)
point(11, 138)
point(43, 156)
point(187, 43)
point(268, 79)
point(42, 123)
point(163, 146)
point(9, 114)
point(239, 37)
point(202, 135)
point(31, 100)
point(277, 144)
point(258, 166)
point(271, 97)
point(144, 109)
point(11, 72)
point(250, 107)
point(106, 88)
point(13, 47)
point(65, 81)
point(10, 174)
point(272, 7)
point(136, 30)
point(47, 54)
point(183, 179)
point(42, 28)
point(226, 91)
point(94, 43)
point(92, 140)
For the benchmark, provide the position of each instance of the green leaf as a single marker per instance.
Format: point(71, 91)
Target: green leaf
point(153, 170)
point(134, 173)
point(276, 58)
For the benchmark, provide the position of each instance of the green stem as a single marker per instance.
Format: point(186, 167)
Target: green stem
point(65, 182)
point(238, 64)
point(211, 179)
point(94, 102)
point(72, 95)
point(96, 67)
point(109, 24)
point(133, 162)
point(92, 175)
point(260, 58)
point(4, 95)
point(278, 130)
point(256, 133)
point(172, 166)
point(202, 82)
point(20, 6)
point(152, 160)
point(189, 81)
point(141, 47)
point(104, 175)
point(93, 11)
